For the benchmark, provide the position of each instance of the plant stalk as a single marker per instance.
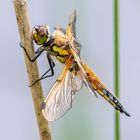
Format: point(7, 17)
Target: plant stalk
point(116, 67)
point(22, 16)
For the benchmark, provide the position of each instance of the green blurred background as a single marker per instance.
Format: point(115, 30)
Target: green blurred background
point(90, 118)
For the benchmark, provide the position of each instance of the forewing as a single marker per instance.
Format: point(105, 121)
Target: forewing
point(71, 29)
point(59, 99)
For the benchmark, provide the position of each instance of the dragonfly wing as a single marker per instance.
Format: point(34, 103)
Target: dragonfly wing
point(71, 28)
point(59, 99)
point(77, 80)
point(71, 31)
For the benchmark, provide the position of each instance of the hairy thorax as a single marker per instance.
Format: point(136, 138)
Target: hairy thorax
point(59, 48)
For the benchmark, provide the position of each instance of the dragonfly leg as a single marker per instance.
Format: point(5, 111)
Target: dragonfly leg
point(38, 52)
point(44, 76)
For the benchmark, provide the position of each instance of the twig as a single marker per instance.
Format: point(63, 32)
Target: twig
point(32, 69)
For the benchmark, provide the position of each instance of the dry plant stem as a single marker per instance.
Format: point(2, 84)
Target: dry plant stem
point(32, 69)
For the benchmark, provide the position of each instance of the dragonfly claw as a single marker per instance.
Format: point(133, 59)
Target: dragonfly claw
point(20, 44)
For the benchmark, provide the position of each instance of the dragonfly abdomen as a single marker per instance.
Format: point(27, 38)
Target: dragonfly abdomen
point(94, 80)
point(97, 85)
point(114, 101)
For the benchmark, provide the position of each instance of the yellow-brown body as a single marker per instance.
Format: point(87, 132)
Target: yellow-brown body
point(66, 49)
point(59, 48)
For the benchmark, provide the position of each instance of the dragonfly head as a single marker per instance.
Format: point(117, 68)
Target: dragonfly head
point(40, 34)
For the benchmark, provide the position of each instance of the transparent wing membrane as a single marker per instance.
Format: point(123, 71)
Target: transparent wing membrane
point(60, 97)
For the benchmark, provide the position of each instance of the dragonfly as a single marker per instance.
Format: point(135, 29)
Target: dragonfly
point(63, 45)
